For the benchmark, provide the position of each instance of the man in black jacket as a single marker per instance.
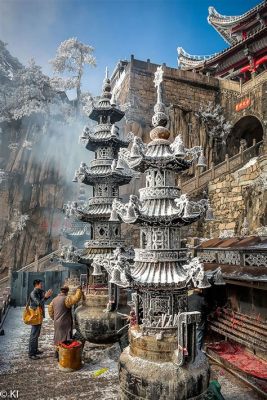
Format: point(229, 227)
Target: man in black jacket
point(37, 299)
point(197, 302)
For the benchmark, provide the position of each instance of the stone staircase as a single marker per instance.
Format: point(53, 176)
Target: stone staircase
point(39, 264)
point(201, 180)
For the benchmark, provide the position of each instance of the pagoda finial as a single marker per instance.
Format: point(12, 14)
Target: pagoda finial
point(106, 76)
point(106, 88)
point(160, 118)
point(158, 79)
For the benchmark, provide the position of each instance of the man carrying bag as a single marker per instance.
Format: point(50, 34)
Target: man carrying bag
point(36, 303)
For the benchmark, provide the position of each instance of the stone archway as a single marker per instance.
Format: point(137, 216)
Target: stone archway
point(247, 128)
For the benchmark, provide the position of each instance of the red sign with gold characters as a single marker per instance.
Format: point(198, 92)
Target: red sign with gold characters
point(243, 104)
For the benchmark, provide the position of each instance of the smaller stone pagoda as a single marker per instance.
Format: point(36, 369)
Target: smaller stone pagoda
point(105, 174)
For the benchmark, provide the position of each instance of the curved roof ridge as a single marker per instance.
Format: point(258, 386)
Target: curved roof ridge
point(223, 23)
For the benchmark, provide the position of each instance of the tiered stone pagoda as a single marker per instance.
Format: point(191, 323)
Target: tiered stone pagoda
point(161, 361)
point(105, 175)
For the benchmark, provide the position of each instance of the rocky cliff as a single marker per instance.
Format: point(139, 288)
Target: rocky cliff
point(31, 194)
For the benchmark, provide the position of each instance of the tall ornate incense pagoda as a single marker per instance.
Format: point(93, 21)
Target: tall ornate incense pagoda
point(161, 361)
point(105, 174)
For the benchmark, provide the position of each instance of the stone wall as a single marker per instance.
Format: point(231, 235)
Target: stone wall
point(238, 195)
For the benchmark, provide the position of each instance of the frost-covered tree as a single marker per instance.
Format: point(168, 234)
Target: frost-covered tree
point(71, 58)
point(33, 92)
point(29, 91)
point(217, 129)
point(17, 223)
point(9, 66)
point(216, 125)
point(8, 63)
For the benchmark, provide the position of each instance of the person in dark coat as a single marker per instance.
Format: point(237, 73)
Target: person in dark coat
point(197, 302)
point(60, 311)
point(37, 299)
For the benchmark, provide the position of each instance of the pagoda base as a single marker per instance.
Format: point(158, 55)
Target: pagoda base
point(150, 376)
point(96, 324)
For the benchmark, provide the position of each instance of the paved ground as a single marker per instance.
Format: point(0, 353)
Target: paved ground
point(41, 380)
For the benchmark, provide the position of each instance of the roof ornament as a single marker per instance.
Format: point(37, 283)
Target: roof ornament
point(160, 117)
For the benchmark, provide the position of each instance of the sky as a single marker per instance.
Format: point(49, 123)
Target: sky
point(115, 28)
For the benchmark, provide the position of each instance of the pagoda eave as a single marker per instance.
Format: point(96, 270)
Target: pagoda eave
point(94, 142)
point(88, 255)
point(106, 177)
point(90, 218)
point(114, 114)
point(160, 273)
point(173, 164)
point(165, 220)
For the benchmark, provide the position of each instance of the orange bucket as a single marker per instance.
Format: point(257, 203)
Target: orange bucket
point(70, 358)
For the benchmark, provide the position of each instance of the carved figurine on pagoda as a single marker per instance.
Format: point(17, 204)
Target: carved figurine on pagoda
point(74, 234)
point(105, 174)
point(161, 360)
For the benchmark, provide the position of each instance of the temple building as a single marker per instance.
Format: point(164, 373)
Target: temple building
point(246, 56)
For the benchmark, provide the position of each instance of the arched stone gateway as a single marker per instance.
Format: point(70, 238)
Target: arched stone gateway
point(246, 130)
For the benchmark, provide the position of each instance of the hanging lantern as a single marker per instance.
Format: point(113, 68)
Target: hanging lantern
point(209, 214)
point(115, 276)
point(97, 270)
point(120, 164)
point(113, 215)
point(204, 282)
point(218, 278)
point(180, 150)
point(135, 150)
point(75, 179)
point(201, 162)
point(114, 130)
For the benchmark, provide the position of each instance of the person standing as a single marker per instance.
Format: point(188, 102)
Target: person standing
point(37, 299)
point(60, 311)
point(197, 302)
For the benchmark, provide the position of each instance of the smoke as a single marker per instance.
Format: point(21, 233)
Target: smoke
point(59, 149)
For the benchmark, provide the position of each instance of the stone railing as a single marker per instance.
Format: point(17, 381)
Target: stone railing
point(200, 181)
point(4, 305)
point(241, 257)
point(227, 84)
point(35, 265)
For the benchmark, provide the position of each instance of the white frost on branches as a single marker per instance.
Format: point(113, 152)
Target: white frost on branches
point(13, 146)
point(17, 223)
point(28, 92)
point(227, 233)
point(3, 175)
point(216, 124)
point(27, 145)
point(71, 58)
